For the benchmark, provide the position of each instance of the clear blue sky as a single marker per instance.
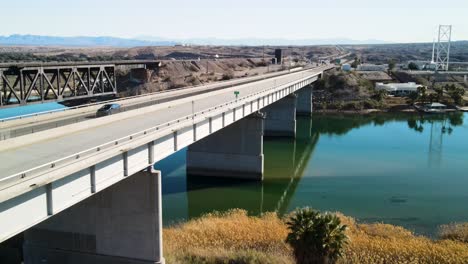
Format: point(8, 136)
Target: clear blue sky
point(390, 20)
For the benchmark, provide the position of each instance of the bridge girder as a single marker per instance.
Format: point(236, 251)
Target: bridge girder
point(19, 86)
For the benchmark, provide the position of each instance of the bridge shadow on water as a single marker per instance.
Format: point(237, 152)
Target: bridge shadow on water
point(285, 163)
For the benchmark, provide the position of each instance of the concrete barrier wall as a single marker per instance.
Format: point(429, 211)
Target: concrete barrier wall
point(69, 191)
point(22, 212)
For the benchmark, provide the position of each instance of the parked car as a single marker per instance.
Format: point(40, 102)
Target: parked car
point(108, 109)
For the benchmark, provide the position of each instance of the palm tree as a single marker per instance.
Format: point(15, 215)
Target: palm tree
point(413, 96)
point(316, 238)
point(422, 92)
point(439, 92)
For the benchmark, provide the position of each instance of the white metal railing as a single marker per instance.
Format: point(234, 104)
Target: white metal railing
point(34, 172)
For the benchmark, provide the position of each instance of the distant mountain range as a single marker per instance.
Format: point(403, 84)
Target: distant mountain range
point(269, 41)
point(36, 40)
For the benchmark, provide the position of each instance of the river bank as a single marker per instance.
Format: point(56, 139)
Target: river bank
point(408, 109)
point(352, 92)
point(235, 237)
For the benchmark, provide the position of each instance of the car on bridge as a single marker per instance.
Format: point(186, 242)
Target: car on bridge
point(108, 109)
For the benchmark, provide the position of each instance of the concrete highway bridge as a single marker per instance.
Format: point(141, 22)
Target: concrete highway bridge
point(86, 192)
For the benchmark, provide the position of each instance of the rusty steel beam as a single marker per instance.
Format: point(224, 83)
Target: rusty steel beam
point(41, 84)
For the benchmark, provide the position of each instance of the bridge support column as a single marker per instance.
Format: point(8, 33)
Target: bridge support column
point(121, 224)
point(304, 101)
point(280, 118)
point(233, 152)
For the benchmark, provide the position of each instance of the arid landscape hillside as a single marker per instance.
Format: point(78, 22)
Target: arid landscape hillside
point(180, 73)
point(406, 52)
point(47, 54)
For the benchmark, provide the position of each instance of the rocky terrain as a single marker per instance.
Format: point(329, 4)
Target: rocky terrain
point(402, 53)
point(176, 74)
point(341, 91)
point(29, 53)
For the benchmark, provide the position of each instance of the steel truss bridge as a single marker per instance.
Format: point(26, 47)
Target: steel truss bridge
point(25, 83)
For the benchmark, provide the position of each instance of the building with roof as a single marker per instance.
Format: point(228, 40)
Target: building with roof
point(346, 67)
point(398, 89)
point(372, 67)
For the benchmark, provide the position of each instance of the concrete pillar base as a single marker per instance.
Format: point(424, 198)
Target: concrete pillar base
point(121, 224)
point(233, 152)
point(304, 101)
point(280, 128)
point(280, 118)
point(232, 166)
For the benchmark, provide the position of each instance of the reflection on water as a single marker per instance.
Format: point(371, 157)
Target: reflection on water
point(29, 109)
point(402, 169)
point(439, 126)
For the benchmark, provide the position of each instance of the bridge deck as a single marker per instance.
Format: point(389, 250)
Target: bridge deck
point(29, 156)
point(33, 123)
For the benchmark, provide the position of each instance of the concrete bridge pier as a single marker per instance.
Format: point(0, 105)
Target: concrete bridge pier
point(121, 224)
point(280, 118)
point(304, 101)
point(233, 152)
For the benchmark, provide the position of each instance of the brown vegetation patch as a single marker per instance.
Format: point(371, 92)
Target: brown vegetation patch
point(235, 237)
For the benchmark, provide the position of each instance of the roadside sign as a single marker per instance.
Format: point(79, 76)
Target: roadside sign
point(236, 93)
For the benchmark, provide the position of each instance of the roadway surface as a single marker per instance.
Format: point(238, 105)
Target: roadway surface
point(439, 72)
point(17, 160)
point(33, 124)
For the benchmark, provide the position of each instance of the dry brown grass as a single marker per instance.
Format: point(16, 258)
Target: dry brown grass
point(383, 243)
point(455, 231)
point(235, 237)
point(216, 238)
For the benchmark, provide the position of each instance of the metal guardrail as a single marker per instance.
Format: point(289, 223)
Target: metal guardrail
point(159, 128)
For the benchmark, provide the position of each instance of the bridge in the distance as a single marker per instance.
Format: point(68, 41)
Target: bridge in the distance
point(34, 82)
point(87, 192)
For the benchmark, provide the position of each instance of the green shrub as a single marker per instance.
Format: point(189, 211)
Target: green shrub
point(353, 106)
point(261, 63)
point(338, 105)
point(227, 76)
point(316, 238)
point(379, 95)
point(371, 104)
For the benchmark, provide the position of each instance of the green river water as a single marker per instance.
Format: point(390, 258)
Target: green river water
point(402, 169)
